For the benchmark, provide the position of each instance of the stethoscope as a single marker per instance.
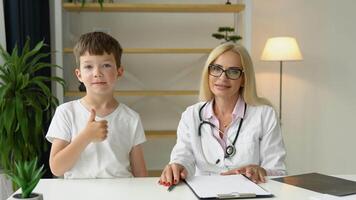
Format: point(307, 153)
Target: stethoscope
point(230, 149)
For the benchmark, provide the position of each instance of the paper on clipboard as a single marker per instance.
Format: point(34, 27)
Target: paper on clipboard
point(232, 186)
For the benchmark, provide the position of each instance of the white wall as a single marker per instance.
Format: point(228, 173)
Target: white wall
point(319, 93)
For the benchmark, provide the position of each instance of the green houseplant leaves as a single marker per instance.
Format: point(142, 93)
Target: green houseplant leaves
point(26, 175)
point(25, 101)
point(225, 33)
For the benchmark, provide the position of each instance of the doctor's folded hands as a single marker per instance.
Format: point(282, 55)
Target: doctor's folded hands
point(231, 130)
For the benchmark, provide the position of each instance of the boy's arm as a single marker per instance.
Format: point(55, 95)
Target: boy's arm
point(64, 154)
point(137, 162)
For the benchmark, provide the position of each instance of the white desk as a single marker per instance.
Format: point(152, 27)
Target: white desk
point(147, 188)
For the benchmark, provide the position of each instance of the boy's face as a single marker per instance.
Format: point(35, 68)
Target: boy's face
point(99, 73)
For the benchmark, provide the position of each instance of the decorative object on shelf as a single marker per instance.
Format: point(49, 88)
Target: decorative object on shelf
point(26, 101)
point(228, 2)
point(26, 176)
point(101, 2)
point(281, 49)
point(224, 33)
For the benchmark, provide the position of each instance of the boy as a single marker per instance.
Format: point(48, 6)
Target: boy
point(96, 136)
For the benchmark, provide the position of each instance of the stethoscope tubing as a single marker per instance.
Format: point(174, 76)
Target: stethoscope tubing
point(230, 150)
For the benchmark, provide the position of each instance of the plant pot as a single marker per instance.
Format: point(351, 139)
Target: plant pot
point(33, 196)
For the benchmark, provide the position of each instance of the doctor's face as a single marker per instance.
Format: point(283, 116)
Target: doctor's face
point(222, 83)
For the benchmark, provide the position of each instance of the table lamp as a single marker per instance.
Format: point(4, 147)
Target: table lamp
point(281, 49)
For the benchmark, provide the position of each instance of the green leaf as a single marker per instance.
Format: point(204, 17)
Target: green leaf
point(40, 65)
point(20, 173)
point(27, 54)
point(25, 81)
point(101, 2)
point(218, 36)
point(4, 54)
point(58, 80)
point(9, 112)
point(226, 29)
point(234, 38)
point(24, 129)
point(19, 107)
point(3, 92)
point(39, 82)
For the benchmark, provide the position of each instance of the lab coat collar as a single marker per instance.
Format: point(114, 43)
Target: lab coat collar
point(238, 111)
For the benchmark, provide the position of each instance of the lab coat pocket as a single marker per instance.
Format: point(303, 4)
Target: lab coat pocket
point(247, 152)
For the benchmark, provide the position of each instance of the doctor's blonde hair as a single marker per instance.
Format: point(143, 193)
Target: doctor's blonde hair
point(248, 91)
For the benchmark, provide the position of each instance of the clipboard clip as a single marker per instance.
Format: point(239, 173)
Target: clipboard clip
point(234, 195)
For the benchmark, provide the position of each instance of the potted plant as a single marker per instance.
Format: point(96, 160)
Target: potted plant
point(224, 33)
point(26, 176)
point(26, 102)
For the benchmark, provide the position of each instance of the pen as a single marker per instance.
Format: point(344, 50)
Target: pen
point(170, 188)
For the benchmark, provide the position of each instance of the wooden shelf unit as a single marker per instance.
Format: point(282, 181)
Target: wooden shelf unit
point(158, 50)
point(141, 93)
point(152, 8)
point(138, 7)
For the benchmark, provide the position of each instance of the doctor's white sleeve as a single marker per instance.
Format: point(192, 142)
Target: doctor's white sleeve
point(272, 148)
point(182, 152)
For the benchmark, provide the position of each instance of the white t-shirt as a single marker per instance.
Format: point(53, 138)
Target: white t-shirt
point(109, 158)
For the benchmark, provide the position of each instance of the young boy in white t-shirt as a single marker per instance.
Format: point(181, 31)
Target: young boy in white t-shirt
point(96, 136)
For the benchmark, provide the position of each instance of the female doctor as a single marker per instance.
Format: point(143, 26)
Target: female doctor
point(232, 131)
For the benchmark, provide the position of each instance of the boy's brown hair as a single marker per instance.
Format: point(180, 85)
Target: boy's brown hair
point(97, 43)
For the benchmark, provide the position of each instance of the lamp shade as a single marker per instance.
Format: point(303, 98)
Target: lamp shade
point(281, 49)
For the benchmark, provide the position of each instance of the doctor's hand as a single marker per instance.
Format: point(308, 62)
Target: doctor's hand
point(254, 172)
point(96, 131)
point(172, 174)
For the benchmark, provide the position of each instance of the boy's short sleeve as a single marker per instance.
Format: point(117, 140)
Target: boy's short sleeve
point(60, 126)
point(139, 134)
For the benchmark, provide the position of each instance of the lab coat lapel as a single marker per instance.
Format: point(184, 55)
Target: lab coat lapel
point(212, 150)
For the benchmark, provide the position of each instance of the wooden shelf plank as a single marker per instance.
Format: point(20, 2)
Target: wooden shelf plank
point(140, 93)
point(136, 7)
point(160, 134)
point(158, 50)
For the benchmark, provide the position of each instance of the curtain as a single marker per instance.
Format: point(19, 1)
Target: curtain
point(29, 18)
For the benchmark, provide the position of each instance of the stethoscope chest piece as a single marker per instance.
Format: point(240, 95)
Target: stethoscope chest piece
point(230, 151)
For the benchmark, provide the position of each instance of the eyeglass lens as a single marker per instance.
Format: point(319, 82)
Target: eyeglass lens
point(231, 73)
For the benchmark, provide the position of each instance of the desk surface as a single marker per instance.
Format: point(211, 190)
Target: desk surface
point(146, 188)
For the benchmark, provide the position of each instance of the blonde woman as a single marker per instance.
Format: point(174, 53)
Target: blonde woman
point(232, 131)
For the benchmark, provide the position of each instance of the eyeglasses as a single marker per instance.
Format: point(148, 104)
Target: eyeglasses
point(231, 73)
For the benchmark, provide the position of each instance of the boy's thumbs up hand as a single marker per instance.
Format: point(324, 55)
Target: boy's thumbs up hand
point(97, 131)
point(92, 115)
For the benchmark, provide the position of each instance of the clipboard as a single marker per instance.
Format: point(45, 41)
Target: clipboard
point(225, 187)
point(321, 183)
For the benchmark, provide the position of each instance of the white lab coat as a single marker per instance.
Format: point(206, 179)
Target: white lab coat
point(259, 142)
